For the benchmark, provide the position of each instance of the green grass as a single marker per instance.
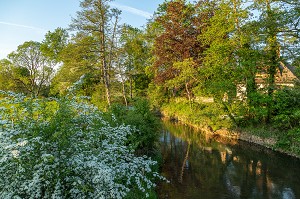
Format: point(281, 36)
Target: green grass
point(262, 131)
point(199, 114)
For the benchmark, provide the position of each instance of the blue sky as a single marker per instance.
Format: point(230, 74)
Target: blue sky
point(25, 20)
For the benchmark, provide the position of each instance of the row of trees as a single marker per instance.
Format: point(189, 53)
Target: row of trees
point(209, 47)
point(30, 69)
point(216, 47)
point(108, 54)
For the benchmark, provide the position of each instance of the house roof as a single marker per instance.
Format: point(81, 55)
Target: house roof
point(286, 74)
point(292, 69)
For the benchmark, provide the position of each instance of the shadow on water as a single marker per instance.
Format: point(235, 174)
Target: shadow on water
point(199, 166)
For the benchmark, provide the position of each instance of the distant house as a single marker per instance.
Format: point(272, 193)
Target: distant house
point(285, 77)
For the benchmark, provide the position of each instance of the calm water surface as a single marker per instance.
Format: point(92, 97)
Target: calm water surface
point(199, 166)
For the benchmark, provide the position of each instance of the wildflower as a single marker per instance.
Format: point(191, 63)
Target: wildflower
point(66, 151)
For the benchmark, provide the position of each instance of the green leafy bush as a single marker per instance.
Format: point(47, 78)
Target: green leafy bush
point(286, 109)
point(258, 108)
point(145, 123)
point(290, 141)
point(63, 148)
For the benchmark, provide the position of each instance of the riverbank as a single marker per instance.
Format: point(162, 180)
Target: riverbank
point(267, 137)
point(197, 165)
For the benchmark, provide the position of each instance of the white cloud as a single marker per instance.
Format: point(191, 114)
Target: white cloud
point(22, 26)
point(132, 10)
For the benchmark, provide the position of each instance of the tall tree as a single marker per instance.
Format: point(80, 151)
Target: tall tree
point(33, 69)
point(135, 53)
point(274, 29)
point(290, 35)
point(54, 43)
point(220, 62)
point(97, 20)
point(177, 42)
point(230, 61)
point(188, 75)
point(78, 58)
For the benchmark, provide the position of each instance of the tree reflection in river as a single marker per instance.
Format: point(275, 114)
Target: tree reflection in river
point(199, 166)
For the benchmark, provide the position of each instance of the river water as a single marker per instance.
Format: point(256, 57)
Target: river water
point(198, 166)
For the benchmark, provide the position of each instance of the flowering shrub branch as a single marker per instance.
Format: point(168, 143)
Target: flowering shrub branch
point(63, 148)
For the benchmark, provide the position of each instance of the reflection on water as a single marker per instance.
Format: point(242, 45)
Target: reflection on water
point(199, 166)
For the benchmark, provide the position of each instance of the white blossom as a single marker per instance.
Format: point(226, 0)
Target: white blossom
point(68, 151)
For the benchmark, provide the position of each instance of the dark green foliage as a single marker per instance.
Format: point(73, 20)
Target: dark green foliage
point(290, 141)
point(54, 43)
point(140, 116)
point(22, 71)
point(284, 124)
point(257, 109)
point(141, 82)
point(286, 109)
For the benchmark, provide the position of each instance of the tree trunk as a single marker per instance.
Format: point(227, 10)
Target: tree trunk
point(188, 94)
point(112, 45)
point(130, 81)
point(250, 88)
point(273, 61)
point(124, 92)
point(105, 76)
point(272, 69)
point(103, 60)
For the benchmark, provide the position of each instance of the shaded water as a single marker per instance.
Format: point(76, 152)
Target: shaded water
point(199, 166)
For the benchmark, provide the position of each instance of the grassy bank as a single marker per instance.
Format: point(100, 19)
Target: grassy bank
point(212, 118)
point(200, 115)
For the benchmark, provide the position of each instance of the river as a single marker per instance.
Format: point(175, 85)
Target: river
point(199, 166)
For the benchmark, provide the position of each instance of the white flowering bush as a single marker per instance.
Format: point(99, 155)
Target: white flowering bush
point(62, 148)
